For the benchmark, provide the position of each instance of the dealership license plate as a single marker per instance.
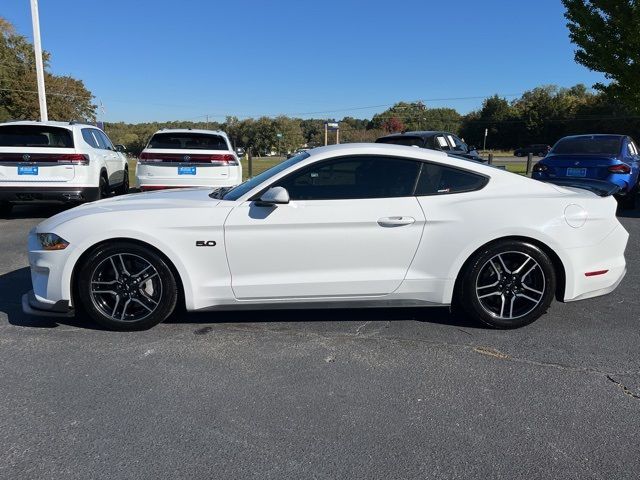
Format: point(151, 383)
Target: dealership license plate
point(191, 170)
point(576, 172)
point(27, 170)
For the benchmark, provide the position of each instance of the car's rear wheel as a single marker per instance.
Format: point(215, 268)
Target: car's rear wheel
point(124, 188)
point(508, 284)
point(519, 154)
point(5, 209)
point(126, 286)
point(103, 187)
point(628, 202)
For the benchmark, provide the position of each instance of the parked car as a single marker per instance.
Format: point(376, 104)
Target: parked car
point(188, 158)
point(345, 225)
point(58, 162)
point(434, 140)
point(610, 158)
point(538, 150)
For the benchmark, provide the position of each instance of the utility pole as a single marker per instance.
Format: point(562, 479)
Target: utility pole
point(37, 46)
point(484, 145)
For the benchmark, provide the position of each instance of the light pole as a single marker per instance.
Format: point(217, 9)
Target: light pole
point(37, 47)
point(484, 145)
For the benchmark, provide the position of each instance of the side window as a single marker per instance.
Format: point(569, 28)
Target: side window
point(353, 177)
point(89, 138)
point(457, 144)
point(105, 140)
point(440, 143)
point(440, 180)
point(633, 149)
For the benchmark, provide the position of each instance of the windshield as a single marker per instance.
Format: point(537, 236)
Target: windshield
point(588, 145)
point(188, 141)
point(249, 185)
point(35, 136)
point(403, 140)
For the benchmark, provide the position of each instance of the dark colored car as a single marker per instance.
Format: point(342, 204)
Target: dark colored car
point(610, 158)
point(433, 140)
point(537, 149)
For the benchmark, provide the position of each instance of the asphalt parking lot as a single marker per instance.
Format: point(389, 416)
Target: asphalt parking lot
point(319, 394)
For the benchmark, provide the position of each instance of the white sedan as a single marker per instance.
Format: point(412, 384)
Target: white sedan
point(357, 225)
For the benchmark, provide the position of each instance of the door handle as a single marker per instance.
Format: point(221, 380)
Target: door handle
point(395, 221)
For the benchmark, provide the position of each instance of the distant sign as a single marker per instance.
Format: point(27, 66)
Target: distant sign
point(279, 135)
point(332, 125)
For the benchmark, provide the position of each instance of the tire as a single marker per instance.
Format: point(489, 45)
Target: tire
point(103, 187)
point(540, 154)
point(489, 292)
point(125, 286)
point(518, 154)
point(5, 209)
point(124, 188)
point(628, 202)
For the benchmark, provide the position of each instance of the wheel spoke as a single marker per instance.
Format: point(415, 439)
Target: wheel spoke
point(124, 268)
point(96, 282)
point(503, 264)
point(115, 307)
point(141, 271)
point(124, 309)
point(527, 287)
point(513, 299)
point(141, 303)
point(519, 269)
point(105, 292)
point(528, 272)
point(115, 269)
point(522, 295)
point(503, 301)
point(492, 294)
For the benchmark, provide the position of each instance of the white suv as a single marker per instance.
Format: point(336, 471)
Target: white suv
point(58, 162)
point(188, 158)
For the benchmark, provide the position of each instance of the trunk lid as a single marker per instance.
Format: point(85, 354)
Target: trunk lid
point(580, 166)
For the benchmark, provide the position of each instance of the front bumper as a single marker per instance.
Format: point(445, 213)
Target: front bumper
point(67, 194)
point(32, 306)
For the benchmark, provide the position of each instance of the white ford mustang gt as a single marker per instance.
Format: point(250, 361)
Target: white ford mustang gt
point(349, 225)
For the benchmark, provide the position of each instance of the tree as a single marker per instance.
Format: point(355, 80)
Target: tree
point(607, 34)
point(67, 97)
point(392, 125)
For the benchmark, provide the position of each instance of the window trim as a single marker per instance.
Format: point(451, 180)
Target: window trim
point(421, 162)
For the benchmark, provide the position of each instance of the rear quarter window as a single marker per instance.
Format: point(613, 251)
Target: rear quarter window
point(31, 136)
point(441, 180)
point(188, 141)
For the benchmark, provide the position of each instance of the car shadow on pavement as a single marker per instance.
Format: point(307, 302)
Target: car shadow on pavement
point(16, 283)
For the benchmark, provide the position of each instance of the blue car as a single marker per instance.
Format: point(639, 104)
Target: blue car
point(610, 158)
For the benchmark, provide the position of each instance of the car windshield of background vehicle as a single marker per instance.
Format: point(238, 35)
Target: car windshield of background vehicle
point(240, 190)
point(403, 140)
point(601, 145)
point(188, 141)
point(35, 136)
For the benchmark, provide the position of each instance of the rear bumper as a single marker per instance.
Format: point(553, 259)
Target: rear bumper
point(606, 256)
point(32, 306)
point(67, 194)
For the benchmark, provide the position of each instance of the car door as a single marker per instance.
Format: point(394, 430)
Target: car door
point(111, 158)
point(351, 228)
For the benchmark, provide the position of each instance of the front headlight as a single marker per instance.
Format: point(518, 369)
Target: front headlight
point(51, 241)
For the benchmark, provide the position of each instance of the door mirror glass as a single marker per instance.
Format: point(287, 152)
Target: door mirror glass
point(274, 196)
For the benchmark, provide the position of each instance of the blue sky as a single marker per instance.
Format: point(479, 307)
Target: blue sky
point(168, 60)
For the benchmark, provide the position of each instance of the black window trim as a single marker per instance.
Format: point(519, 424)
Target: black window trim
point(486, 178)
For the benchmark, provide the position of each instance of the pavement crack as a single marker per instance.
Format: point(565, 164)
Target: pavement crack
point(359, 329)
point(624, 388)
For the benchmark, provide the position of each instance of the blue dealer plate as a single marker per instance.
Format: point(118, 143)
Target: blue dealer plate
point(27, 170)
point(187, 170)
point(576, 172)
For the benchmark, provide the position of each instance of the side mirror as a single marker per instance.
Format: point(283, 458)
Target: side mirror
point(121, 148)
point(274, 196)
point(471, 148)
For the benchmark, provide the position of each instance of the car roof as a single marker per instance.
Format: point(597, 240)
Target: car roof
point(417, 133)
point(191, 130)
point(49, 123)
point(594, 135)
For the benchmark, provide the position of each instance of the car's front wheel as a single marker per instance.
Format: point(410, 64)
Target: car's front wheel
point(508, 284)
point(126, 286)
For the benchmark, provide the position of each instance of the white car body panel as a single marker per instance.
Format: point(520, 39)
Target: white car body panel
point(321, 252)
point(154, 175)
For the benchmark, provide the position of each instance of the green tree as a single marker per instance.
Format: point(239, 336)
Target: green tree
point(607, 34)
point(67, 97)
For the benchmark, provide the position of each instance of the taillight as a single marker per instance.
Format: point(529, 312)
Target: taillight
point(539, 168)
point(214, 159)
point(622, 168)
point(223, 159)
point(148, 157)
point(73, 159)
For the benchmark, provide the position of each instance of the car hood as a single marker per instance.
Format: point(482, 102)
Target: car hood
point(164, 199)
